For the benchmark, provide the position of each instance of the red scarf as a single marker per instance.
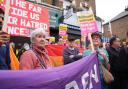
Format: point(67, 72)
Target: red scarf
point(44, 55)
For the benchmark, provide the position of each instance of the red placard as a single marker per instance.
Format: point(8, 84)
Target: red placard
point(23, 17)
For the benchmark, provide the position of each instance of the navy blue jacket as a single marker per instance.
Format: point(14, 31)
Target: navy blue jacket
point(67, 52)
point(4, 57)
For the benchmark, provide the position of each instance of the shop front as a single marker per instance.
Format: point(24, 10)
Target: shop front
point(55, 17)
point(73, 31)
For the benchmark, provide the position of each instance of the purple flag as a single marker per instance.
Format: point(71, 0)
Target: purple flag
point(82, 74)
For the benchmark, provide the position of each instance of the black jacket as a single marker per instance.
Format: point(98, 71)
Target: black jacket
point(118, 59)
point(124, 59)
point(114, 59)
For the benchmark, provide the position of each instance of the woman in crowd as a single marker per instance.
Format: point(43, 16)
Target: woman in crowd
point(36, 57)
point(102, 55)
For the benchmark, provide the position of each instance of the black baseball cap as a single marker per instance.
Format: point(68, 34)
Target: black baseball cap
point(71, 39)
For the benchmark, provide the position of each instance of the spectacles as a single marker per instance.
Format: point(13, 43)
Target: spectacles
point(95, 37)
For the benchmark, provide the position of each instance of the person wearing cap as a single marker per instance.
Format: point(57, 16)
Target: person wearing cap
point(4, 45)
point(102, 55)
point(36, 57)
point(71, 53)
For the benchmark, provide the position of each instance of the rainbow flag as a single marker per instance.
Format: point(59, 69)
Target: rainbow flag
point(55, 53)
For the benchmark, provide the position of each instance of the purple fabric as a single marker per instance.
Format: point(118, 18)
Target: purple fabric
point(56, 78)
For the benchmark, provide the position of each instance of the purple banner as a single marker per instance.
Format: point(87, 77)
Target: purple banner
point(82, 74)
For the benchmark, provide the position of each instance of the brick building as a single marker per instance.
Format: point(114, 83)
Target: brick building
point(59, 3)
point(92, 3)
point(119, 25)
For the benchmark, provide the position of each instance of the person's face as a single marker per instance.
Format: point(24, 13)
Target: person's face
point(61, 41)
point(39, 40)
point(96, 40)
point(117, 43)
point(71, 44)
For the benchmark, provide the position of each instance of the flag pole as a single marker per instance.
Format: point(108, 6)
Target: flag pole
point(110, 28)
point(91, 42)
point(7, 7)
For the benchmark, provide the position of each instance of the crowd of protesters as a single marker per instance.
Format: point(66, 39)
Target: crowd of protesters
point(114, 57)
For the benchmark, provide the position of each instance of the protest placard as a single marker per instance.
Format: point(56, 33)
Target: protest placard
point(21, 17)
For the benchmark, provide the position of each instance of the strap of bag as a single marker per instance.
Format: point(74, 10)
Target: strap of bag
point(106, 65)
point(107, 76)
point(39, 59)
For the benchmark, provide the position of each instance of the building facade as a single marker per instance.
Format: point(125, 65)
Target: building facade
point(119, 25)
point(90, 2)
point(59, 3)
point(56, 9)
point(56, 3)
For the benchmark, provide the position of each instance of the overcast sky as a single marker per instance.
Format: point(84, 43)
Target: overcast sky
point(107, 9)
